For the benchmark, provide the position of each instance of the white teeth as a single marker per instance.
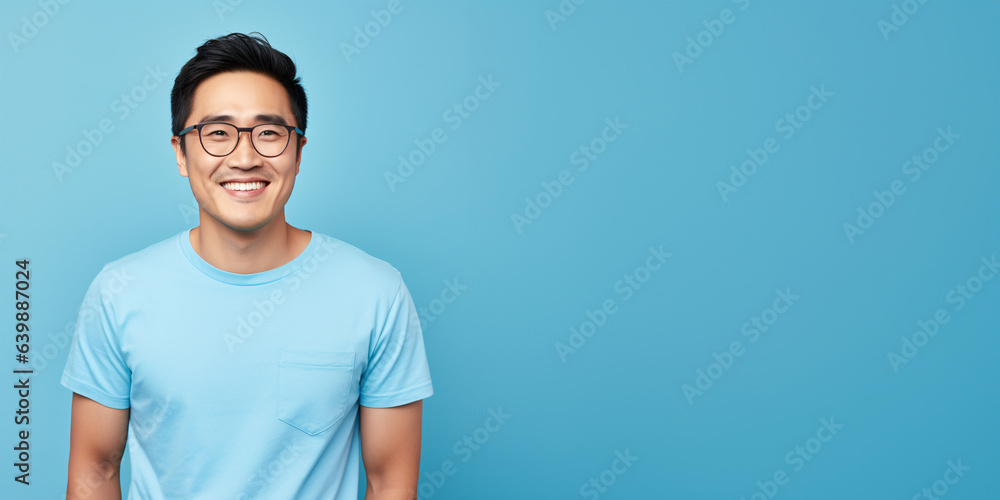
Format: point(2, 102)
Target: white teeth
point(243, 186)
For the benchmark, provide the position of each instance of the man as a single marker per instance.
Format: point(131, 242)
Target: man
point(245, 357)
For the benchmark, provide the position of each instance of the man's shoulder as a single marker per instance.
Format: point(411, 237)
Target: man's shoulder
point(120, 273)
point(150, 257)
point(152, 253)
point(359, 264)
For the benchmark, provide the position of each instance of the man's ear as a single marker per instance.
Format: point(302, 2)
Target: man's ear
point(298, 154)
point(181, 159)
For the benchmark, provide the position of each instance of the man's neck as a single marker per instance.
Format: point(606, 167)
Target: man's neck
point(248, 252)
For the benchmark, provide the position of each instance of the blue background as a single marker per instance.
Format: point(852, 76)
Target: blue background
point(496, 346)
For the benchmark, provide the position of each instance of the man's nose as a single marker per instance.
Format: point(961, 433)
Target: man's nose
point(244, 156)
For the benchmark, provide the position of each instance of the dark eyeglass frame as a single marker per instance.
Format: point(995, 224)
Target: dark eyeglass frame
point(239, 136)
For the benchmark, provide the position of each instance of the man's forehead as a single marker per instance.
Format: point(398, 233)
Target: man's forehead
point(241, 96)
point(259, 118)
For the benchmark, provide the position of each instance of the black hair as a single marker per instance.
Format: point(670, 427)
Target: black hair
point(235, 52)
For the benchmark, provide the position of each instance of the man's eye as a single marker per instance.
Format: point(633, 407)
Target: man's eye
point(218, 133)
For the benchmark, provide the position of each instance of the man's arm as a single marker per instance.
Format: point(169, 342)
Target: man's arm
point(390, 449)
point(96, 444)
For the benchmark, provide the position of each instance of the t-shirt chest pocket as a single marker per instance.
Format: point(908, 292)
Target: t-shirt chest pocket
point(314, 388)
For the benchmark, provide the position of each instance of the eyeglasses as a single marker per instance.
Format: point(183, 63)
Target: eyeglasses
point(220, 138)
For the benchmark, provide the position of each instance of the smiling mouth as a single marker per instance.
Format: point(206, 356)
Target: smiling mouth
point(245, 186)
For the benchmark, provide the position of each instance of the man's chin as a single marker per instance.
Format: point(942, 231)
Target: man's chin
point(245, 225)
point(248, 228)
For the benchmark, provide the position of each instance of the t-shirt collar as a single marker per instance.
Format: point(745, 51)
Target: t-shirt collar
point(245, 279)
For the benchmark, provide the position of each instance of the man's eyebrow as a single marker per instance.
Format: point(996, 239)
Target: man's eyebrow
point(262, 118)
point(216, 118)
point(271, 119)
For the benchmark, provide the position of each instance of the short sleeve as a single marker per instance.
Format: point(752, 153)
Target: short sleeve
point(397, 371)
point(95, 367)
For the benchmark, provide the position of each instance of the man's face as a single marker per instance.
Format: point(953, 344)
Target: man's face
point(243, 99)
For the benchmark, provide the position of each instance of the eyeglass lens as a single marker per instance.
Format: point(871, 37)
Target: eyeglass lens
point(220, 139)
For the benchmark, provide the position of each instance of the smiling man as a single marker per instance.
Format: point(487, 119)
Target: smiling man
point(245, 357)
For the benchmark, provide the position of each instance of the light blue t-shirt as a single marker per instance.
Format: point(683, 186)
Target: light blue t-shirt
point(247, 385)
